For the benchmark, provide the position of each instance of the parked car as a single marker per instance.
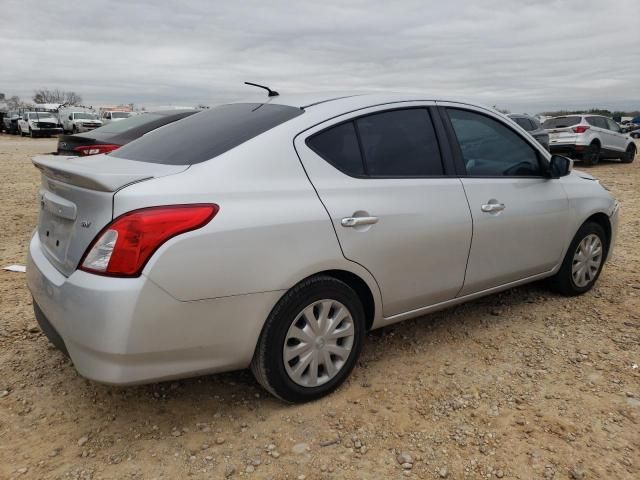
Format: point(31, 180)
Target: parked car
point(635, 133)
point(108, 116)
point(10, 122)
point(589, 138)
point(114, 135)
point(78, 119)
point(274, 235)
point(38, 124)
point(533, 126)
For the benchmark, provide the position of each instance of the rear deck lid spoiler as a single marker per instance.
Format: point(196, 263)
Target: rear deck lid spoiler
point(101, 172)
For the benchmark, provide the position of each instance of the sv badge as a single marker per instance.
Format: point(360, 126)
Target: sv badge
point(85, 224)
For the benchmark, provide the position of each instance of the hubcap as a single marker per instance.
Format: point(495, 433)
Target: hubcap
point(586, 260)
point(318, 343)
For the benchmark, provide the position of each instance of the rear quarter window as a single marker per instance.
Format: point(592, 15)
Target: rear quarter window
point(207, 134)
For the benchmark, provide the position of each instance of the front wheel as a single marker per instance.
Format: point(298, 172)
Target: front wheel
point(583, 261)
point(311, 340)
point(629, 154)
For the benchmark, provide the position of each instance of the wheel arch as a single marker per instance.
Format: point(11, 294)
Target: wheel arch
point(603, 220)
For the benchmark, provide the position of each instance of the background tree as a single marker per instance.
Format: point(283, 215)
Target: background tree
point(45, 95)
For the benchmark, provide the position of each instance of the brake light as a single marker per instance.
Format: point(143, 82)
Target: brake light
point(123, 247)
point(86, 150)
point(580, 128)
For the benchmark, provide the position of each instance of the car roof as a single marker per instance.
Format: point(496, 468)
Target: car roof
point(342, 98)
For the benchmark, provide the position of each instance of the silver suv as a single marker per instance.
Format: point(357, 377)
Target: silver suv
point(275, 234)
point(589, 138)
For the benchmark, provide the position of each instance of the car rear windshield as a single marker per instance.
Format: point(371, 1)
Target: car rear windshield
point(561, 122)
point(524, 123)
point(128, 123)
point(208, 134)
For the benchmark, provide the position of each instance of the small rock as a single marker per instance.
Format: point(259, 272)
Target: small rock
point(499, 473)
point(443, 472)
point(22, 470)
point(219, 441)
point(275, 454)
point(176, 433)
point(576, 473)
point(229, 471)
point(250, 469)
point(4, 393)
point(299, 448)
point(407, 466)
point(83, 440)
point(404, 457)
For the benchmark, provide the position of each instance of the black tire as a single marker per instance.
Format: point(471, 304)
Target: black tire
point(630, 154)
point(563, 282)
point(268, 362)
point(74, 130)
point(592, 155)
point(31, 134)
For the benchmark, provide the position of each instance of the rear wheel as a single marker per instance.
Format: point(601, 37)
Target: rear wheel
point(74, 130)
point(592, 155)
point(311, 340)
point(630, 154)
point(583, 261)
point(31, 134)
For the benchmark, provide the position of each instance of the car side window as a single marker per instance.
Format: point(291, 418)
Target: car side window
point(613, 126)
point(491, 149)
point(339, 146)
point(395, 143)
point(400, 143)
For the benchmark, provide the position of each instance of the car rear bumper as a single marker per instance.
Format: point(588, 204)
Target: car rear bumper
point(128, 330)
point(570, 149)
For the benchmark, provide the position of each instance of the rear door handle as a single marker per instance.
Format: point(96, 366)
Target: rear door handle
point(357, 221)
point(493, 207)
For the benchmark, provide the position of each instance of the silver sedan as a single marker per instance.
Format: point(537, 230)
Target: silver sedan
point(273, 235)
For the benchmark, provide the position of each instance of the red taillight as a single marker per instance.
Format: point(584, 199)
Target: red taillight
point(580, 128)
point(86, 150)
point(123, 247)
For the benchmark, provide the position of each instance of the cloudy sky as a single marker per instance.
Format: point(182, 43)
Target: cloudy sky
point(524, 55)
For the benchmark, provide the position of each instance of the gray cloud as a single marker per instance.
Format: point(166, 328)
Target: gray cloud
point(525, 56)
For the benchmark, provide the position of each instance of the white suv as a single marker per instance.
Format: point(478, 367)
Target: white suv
point(589, 138)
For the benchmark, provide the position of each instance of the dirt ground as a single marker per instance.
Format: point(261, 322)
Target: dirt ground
point(524, 384)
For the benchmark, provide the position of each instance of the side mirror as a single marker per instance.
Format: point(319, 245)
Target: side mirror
point(70, 117)
point(560, 166)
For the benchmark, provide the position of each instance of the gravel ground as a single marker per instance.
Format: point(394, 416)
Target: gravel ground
point(524, 384)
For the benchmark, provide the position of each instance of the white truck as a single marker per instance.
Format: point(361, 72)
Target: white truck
point(78, 119)
point(38, 124)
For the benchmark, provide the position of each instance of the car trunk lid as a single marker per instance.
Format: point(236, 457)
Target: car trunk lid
point(76, 200)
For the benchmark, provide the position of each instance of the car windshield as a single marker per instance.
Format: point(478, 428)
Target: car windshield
point(37, 115)
point(85, 116)
point(523, 122)
point(561, 122)
point(120, 114)
point(128, 123)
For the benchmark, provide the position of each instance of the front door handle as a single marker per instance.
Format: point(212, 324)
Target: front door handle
point(357, 221)
point(493, 207)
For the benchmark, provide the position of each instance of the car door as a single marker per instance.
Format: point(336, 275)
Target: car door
point(618, 139)
point(600, 127)
point(396, 209)
point(520, 215)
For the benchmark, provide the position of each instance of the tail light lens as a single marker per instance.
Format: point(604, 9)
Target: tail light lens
point(86, 150)
point(580, 128)
point(123, 247)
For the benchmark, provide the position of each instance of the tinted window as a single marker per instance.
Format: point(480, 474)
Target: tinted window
point(599, 122)
point(400, 143)
point(612, 125)
point(207, 134)
point(339, 146)
point(561, 122)
point(524, 123)
point(128, 123)
point(490, 148)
